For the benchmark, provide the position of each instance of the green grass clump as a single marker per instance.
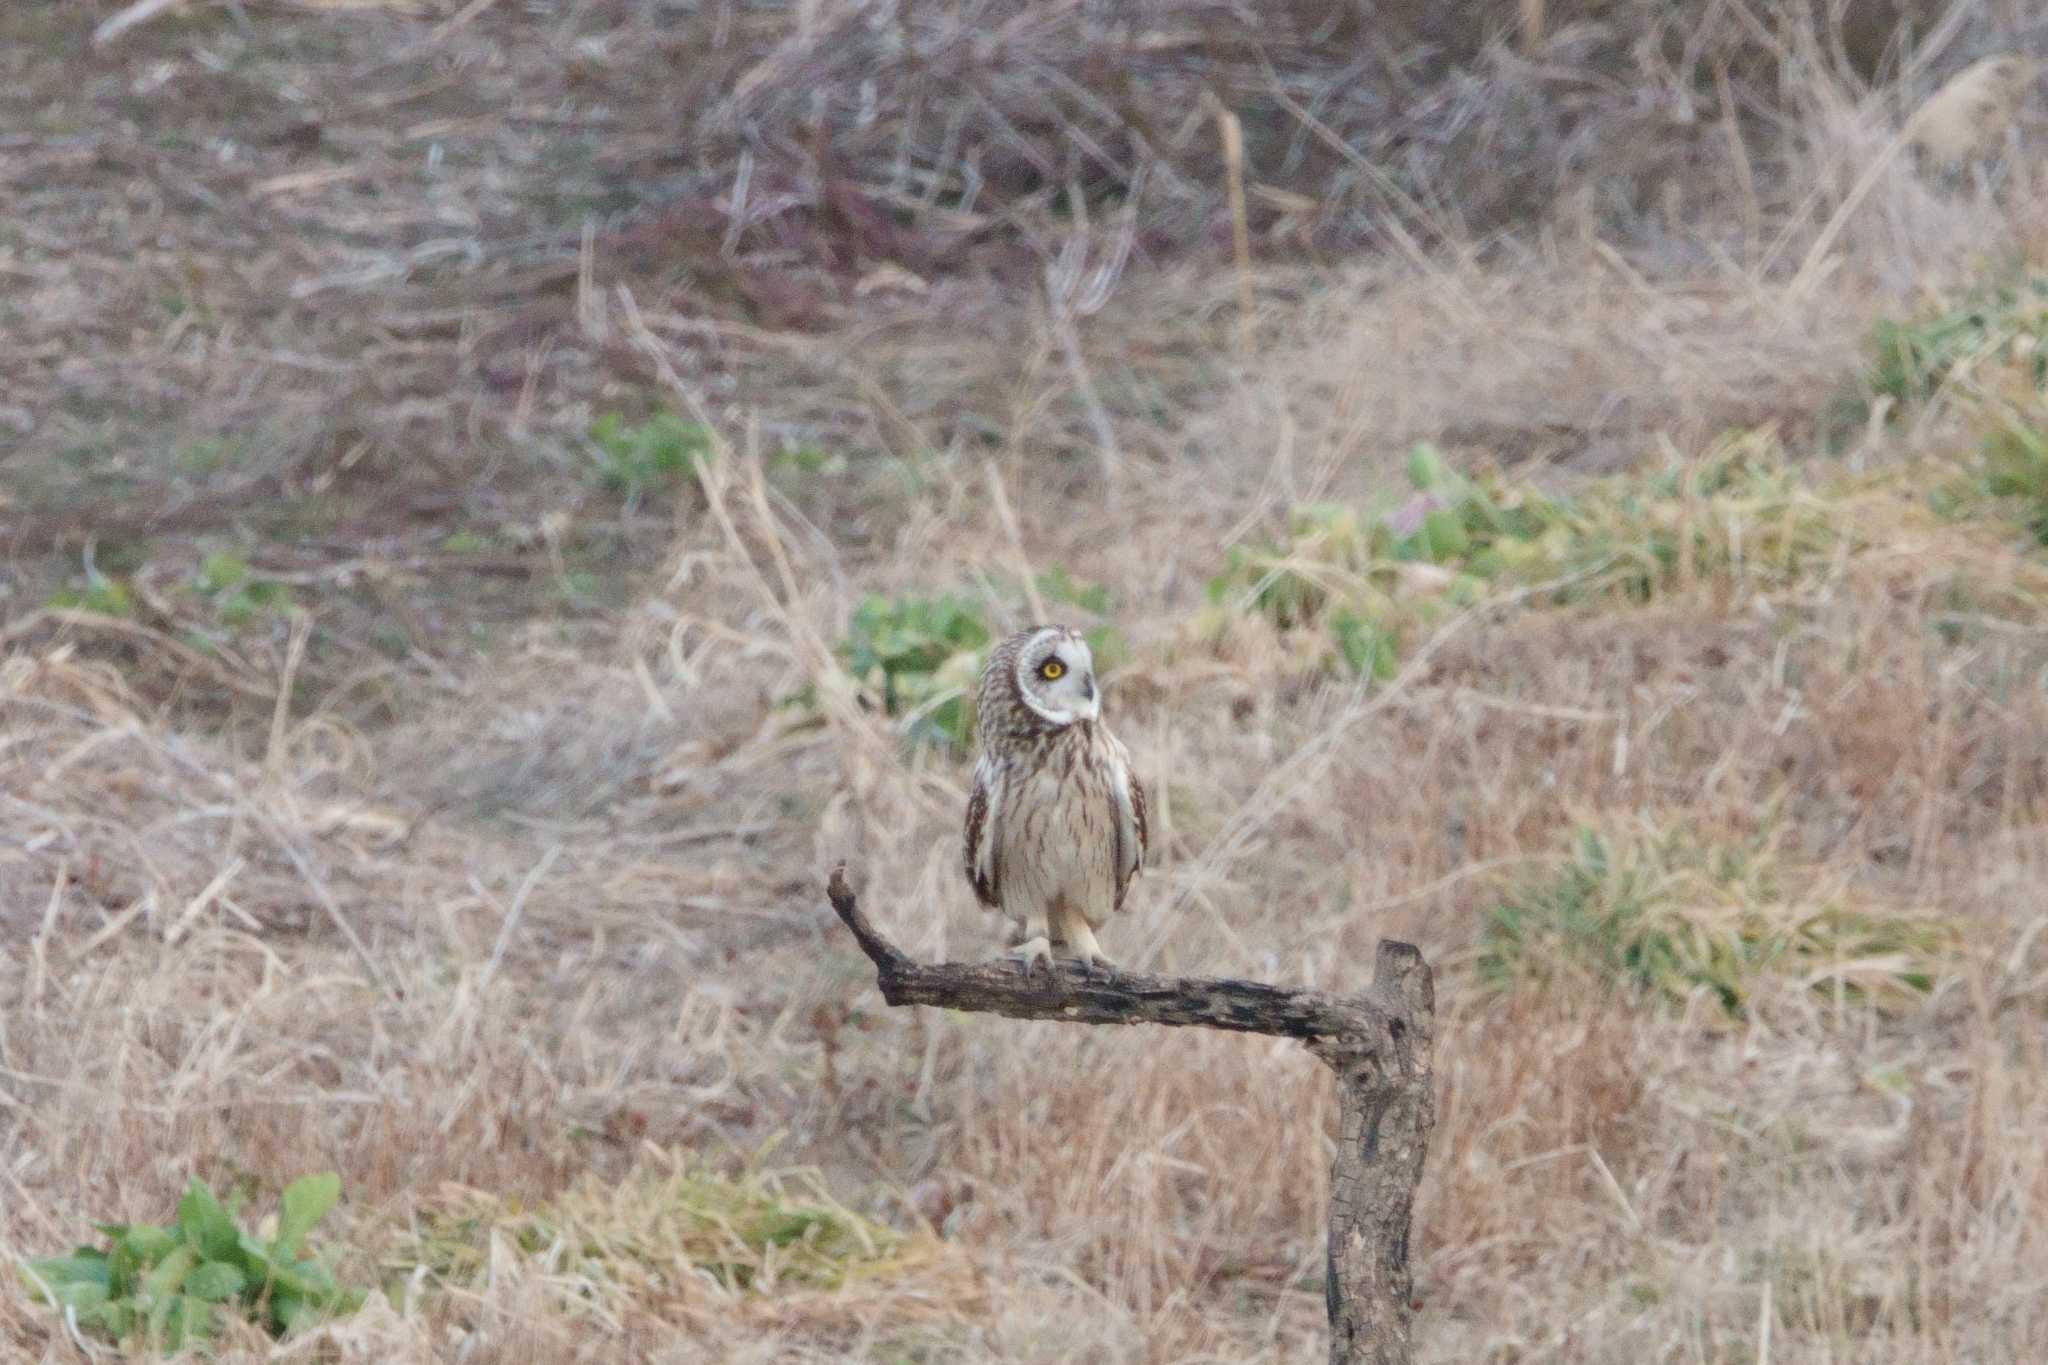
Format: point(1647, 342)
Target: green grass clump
point(1989, 348)
point(103, 597)
point(1739, 513)
point(1665, 913)
point(238, 594)
point(165, 1286)
point(2010, 475)
point(1993, 338)
point(755, 1233)
point(811, 462)
point(660, 451)
point(2016, 466)
point(1911, 359)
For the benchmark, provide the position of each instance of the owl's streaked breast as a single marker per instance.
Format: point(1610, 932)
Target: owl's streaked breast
point(1058, 832)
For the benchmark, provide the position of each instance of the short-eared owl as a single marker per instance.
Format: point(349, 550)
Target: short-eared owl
point(1056, 824)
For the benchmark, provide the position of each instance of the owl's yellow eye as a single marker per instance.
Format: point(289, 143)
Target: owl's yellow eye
point(1051, 669)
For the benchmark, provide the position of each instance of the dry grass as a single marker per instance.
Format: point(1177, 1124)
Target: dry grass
point(477, 855)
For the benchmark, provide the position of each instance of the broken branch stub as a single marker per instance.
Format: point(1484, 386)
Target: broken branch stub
point(1377, 1044)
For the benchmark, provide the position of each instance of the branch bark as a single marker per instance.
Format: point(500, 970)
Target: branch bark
point(1377, 1044)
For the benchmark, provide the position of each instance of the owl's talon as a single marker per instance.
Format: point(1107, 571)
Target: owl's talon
point(1033, 951)
point(1087, 951)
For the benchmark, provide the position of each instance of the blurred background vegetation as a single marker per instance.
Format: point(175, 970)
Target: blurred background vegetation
point(497, 497)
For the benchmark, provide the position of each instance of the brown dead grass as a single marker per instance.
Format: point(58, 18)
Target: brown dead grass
point(503, 893)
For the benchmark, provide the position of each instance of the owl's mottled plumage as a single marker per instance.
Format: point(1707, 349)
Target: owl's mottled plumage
point(1967, 120)
point(1056, 822)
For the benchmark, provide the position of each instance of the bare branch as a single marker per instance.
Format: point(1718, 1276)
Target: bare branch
point(1077, 995)
point(1377, 1044)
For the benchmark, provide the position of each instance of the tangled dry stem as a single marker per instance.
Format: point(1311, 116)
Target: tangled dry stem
point(1376, 1043)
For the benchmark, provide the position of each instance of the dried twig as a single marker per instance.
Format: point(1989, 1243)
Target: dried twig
point(1232, 133)
point(141, 12)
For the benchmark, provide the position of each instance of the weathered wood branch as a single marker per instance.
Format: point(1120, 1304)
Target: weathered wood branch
point(1377, 1044)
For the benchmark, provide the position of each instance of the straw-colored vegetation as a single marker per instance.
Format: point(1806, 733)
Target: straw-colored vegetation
point(497, 499)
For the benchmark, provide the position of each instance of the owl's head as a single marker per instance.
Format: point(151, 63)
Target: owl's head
point(1054, 674)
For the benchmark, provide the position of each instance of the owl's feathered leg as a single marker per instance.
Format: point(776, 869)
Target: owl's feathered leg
point(1037, 944)
point(1081, 939)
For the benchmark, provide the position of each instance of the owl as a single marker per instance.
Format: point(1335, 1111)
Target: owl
point(1967, 119)
point(1056, 822)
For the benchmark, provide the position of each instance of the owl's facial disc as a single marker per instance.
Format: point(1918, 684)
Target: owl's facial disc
point(1056, 678)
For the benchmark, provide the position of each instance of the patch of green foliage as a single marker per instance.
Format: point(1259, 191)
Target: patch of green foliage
point(658, 452)
point(1666, 913)
point(1993, 337)
point(165, 1286)
point(103, 596)
point(918, 658)
point(1990, 347)
point(1911, 359)
point(2011, 469)
point(2016, 466)
point(1106, 644)
point(237, 593)
point(1107, 647)
point(1370, 576)
point(811, 462)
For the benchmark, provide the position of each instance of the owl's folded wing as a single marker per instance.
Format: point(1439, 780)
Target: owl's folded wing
point(1127, 796)
point(983, 836)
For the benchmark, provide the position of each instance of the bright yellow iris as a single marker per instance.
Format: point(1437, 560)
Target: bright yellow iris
point(1053, 668)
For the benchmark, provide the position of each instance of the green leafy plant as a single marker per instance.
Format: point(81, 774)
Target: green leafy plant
point(1368, 646)
point(664, 449)
point(167, 1285)
point(1346, 566)
point(104, 596)
point(237, 593)
point(918, 657)
point(1370, 576)
point(1665, 912)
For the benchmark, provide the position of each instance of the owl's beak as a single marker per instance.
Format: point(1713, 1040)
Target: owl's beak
point(1091, 698)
